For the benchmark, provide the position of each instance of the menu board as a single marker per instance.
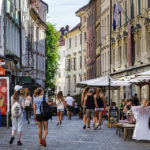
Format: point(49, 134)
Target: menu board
point(4, 95)
point(113, 114)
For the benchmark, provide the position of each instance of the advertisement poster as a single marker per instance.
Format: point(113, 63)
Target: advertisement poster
point(4, 95)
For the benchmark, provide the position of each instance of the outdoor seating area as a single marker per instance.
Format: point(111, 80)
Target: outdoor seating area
point(132, 123)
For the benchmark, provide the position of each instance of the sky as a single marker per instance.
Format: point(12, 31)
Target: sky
point(62, 12)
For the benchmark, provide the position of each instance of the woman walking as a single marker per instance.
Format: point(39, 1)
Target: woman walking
point(100, 98)
point(84, 94)
point(17, 106)
point(42, 120)
point(28, 104)
point(60, 102)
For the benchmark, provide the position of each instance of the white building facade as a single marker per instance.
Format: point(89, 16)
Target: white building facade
point(73, 66)
point(1, 28)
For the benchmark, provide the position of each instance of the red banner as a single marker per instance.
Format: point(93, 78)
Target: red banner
point(129, 45)
point(3, 96)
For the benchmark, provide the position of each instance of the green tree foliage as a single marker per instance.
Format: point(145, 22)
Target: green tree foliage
point(52, 45)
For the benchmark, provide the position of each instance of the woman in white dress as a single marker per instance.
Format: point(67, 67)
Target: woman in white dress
point(141, 114)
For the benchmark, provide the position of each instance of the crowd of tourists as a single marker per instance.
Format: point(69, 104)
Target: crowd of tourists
point(23, 104)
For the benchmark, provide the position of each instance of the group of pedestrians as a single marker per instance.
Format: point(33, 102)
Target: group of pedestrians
point(93, 102)
point(19, 103)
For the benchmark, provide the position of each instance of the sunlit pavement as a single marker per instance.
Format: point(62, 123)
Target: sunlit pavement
point(70, 136)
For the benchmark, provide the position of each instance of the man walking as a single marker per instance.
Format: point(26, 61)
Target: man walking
point(70, 103)
point(90, 103)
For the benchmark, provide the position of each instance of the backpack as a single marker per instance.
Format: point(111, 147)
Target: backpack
point(45, 109)
point(16, 110)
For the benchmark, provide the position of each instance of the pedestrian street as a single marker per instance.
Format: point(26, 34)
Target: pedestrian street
point(70, 136)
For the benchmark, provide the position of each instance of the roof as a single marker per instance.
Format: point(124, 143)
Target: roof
point(76, 27)
point(45, 4)
point(82, 8)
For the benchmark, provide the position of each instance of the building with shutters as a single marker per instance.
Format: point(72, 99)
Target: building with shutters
point(131, 46)
point(73, 60)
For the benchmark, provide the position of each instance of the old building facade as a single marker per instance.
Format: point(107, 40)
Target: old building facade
point(34, 52)
point(83, 18)
point(131, 47)
point(2, 28)
point(61, 73)
point(73, 40)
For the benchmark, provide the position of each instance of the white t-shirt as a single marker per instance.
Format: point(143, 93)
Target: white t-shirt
point(69, 100)
point(60, 104)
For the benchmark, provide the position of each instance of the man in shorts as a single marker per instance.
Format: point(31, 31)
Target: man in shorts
point(90, 103)
point(70, 103)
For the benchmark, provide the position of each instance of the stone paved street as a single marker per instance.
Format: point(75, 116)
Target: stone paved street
point(71, 137)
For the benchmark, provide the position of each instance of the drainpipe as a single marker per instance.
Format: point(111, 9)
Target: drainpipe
point(20, 25)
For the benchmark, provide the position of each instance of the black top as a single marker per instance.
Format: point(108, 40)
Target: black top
point(100, 102)
point(90, 102)
point(135, 101)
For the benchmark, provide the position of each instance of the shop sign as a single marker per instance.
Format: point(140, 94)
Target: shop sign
point(4, 95)
point(2, 71)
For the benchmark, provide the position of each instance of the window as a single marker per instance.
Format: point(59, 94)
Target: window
point(148, 3)
point(70, 43)
point(74, 63)
point(84, 18)
point(126, 53)
point(132, 8)
point(74, 85)
point(120, 19)
point(80, 38)
point(75, 41)
point(68, 64)
point(120, 56)
point(108, 24)
point(80, 62)
point(85, 60)
point(139, 7)
point(126, 11)
point(69, 85)
point(84, 36)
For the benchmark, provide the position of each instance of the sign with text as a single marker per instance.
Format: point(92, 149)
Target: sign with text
point(4, 95)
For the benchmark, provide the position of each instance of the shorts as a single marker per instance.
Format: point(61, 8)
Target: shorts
point(60, 110)
point(41, 118)
point(17, 123)
point(90, 113)
point(99, 109)
point(70, 108)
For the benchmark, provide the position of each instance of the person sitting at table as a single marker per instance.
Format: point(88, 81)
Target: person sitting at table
point(128, 106)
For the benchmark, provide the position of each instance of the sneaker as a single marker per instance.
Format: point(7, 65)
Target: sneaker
point(60, 125)
point(88, 128)
point(57, 124)
point(94, 127)
point(84, 127)
point(28, 122)
point(43, 142)
point(11, 140)
point(19, 143)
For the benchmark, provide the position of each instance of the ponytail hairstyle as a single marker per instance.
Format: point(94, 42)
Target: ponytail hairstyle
point(38, 92)
point(60, 95)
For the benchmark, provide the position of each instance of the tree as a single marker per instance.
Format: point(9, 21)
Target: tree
point(52, 38)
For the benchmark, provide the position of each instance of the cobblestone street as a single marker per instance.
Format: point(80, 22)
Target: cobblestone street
point(70, 137)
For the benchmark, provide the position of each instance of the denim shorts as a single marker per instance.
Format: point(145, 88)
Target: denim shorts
point(17, 123)
point(59, 110)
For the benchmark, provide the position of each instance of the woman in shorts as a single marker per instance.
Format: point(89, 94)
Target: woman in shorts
point(84, 94)
point(41, 119)
point(61, 104)
point(99, 96)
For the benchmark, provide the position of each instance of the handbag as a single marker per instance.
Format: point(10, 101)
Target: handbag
point(45, 109)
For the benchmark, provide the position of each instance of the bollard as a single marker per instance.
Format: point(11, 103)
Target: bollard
point(0, 118)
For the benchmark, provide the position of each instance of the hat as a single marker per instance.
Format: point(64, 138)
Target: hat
point(17, 87)
point(91, 90)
